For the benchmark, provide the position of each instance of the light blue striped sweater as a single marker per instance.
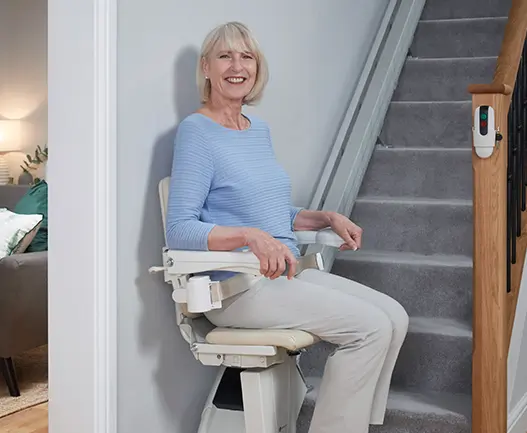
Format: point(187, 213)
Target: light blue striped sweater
point(226, 177)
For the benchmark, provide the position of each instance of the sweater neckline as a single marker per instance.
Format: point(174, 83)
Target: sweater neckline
point(219, 125)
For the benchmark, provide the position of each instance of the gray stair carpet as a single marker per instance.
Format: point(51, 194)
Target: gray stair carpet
point(415, 206)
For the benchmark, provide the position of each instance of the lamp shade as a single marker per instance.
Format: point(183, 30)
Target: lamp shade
point(10, 135)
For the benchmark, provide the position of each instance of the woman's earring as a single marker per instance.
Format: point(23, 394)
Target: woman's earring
point(206, 78)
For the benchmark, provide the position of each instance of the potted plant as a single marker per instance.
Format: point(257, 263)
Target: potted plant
point(32, 163)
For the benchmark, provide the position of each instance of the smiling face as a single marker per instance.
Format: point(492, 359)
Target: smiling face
point(232, 72)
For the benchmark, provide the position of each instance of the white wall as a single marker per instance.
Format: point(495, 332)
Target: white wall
point(23, 72)
point(316, 51)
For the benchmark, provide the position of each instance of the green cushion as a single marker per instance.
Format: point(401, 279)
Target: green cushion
point(35, 201)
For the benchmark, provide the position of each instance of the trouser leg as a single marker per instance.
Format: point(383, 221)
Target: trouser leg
point(361, 330)
point(393, 310)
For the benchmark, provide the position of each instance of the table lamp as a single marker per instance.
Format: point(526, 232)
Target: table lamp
point(9, 142)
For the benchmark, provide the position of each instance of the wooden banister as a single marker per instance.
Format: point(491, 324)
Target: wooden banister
point(497, 272)
point(510, 53)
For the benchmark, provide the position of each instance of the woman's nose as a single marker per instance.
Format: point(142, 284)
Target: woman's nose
point(236, 65)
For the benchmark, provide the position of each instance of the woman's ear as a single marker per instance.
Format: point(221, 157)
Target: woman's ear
point(205, 67)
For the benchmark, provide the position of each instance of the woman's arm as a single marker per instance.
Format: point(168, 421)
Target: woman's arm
point(222, 238)
point(190, 181)
point(318, 220)
point(312, 220)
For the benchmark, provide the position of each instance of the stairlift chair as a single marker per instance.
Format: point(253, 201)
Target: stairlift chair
point(259, 387)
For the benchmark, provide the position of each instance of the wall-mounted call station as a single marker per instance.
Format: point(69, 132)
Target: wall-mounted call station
point(484, 131)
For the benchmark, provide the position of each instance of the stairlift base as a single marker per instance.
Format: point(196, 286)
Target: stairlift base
point(266, 400)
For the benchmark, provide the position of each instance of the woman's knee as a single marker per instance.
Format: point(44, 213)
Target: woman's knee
point(399, 317)
point(381, 330)
point(377, 330)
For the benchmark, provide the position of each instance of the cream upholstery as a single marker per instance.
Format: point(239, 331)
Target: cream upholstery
point(289, 339)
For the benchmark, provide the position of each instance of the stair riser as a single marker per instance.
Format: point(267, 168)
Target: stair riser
point(431, 362)
point(446, 9)
point(416, 228)
point(429, 291)
point(428, 362)
point(397, 422)
point(470, 38)
point(442, 80)
point(443, 174)
point(416, 125)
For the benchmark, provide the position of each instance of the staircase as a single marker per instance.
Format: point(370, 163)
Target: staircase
point(415, 206)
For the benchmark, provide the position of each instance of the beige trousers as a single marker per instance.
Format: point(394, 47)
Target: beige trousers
point(367, 326)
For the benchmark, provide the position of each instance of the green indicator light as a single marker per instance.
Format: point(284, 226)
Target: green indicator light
point(483, 116)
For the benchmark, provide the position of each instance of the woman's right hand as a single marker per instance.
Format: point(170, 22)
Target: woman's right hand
point(272, 253)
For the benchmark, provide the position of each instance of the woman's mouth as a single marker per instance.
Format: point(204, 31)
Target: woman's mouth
point(235, 80)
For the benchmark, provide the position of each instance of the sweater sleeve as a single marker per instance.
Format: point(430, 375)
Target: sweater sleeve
point(191, 178)
point(294, 212)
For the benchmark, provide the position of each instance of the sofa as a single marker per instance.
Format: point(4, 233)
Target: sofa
point(23, 298)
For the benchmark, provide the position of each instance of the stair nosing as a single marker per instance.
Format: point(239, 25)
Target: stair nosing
point(413, 259)
point(384, 148)
point(449, 59)
point(463, 102)
point(423, 201)
point(434, 325)
point(450, 20)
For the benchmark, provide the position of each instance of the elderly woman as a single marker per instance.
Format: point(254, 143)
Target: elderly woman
point(228, 192)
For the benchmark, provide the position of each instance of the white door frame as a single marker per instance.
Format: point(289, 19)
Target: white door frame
point(81, 174)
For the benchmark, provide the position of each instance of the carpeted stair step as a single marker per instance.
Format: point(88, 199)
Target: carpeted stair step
point(408, 412)
point(427, 227)
point(447, 9)
point(436, 356)
point(468, 37)
point(435, 173)
point(442, 79)
point(428, 124)
point(429, 286)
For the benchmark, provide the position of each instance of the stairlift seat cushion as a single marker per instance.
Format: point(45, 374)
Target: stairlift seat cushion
point(290, 339)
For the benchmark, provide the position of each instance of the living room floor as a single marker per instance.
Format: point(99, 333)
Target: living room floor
point(31, 420)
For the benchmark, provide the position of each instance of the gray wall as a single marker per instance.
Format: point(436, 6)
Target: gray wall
point(517, 357)
point(519, 389)
point(23, 72)
point(316, 51)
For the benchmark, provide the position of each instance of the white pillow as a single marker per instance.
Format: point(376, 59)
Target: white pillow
point(15, 230)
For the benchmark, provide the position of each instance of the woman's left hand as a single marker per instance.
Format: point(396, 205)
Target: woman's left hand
point(347, 230)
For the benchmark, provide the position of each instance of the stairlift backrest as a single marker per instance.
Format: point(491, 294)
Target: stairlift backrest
point(164, 189)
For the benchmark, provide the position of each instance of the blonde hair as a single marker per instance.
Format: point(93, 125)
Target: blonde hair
point(233, 36)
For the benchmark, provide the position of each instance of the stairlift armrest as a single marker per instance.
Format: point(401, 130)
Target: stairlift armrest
point(325, 237)
point(199, 292)
point(184, 262)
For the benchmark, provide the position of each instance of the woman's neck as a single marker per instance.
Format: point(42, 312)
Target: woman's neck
point(228, 114)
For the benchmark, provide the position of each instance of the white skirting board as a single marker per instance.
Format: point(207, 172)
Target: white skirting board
point(517, 422)
point(341, 178)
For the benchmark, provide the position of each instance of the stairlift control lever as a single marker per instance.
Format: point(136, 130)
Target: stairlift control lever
point(484, 131)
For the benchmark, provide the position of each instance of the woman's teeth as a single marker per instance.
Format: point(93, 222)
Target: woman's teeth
point(235, 80)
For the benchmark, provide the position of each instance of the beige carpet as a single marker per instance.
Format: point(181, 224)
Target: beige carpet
point(32, 373)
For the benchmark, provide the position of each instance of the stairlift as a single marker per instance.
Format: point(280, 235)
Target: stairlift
point(259, 387)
